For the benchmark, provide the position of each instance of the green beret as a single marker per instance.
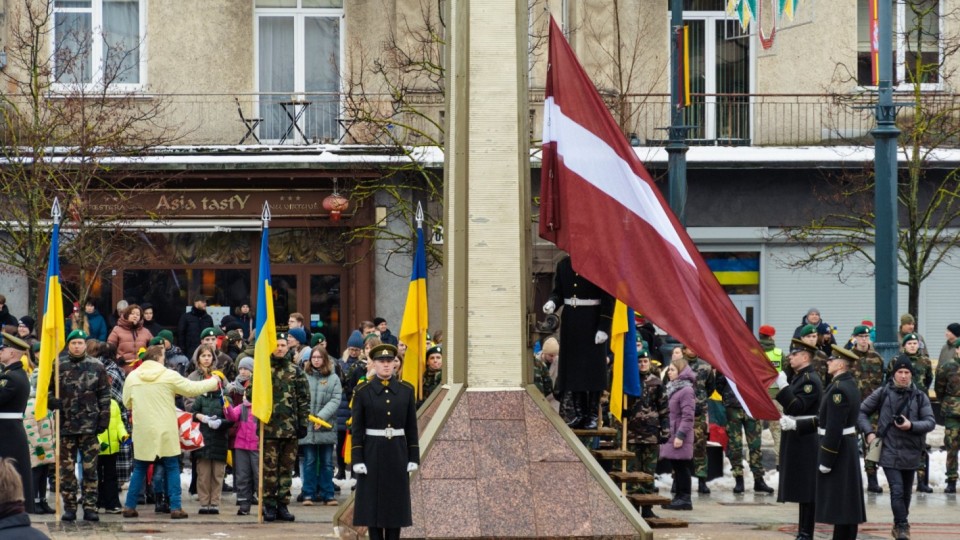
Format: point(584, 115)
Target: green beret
point(282, 336)
point(434, 350)
point(316, 338)
point(165, 334)
point(861, 330)
point(156, 341)
point(807, 330)
point(77, 334)
point(9, 340)
point(370, 336)
point(207, 332)
point(384, 351)
point(909, 337)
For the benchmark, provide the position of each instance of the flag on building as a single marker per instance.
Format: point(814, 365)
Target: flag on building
point(626, 371)
point(413, 328)
point(53, 330)
point(266, 337)
point(600, 205)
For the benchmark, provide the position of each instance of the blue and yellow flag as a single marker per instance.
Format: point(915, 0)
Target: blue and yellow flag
point(413, 328)
point(626, 370)
point(266, 338)
point(53, 329)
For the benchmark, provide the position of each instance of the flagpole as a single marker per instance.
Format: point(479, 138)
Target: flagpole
point(420, 336)
point(55, 213)
point(623, 441)
point(260, 479)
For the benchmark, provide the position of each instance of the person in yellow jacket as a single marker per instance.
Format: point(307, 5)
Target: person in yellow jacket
point(111, 439)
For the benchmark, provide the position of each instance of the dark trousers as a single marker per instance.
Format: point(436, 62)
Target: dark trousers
point(807, 517)
point(845, 532)
point(378, 533)
point(341, 466)
point(40, 474)
point(681, 475)
point(108, 493)
point(901, 486)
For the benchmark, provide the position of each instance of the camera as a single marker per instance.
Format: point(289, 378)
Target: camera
point(899, 420)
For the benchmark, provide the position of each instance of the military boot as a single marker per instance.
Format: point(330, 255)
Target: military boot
point(923, 476)
point(951, 486)
point(569, 410)
point(702, 486)
point(738, 488)
point(760, 486)
point(69, 515)
point(872, 485)
point(680, 502)
point(283, 514)
point(646, 512)
point(269, 513)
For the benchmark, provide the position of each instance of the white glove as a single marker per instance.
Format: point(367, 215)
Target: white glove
point(215, 423)
point(824, 469)
point(360, 468)
point(601, 337)
point(549, 307)
point(782, 380)
point(788, 423)
point(412, 467)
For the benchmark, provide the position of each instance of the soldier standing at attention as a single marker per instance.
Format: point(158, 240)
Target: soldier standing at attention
point(706, 384)
point(385, 448)
point(648, 427)
point(288, 424)
point(948, 391)
point(14, 393)
point(914, 353)
point(84, 406)
point(739, 422)
point(868, 373)
point(800, 398)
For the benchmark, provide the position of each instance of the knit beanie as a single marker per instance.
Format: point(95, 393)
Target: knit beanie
point(355, 340)
point(246, 363)
point(954, 329)
point(28, 322)
point(298, 334)
point(902, 363)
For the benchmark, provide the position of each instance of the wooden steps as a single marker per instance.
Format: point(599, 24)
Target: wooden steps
point(612, 455)
point(608, 445)
point(648, 499)
point(666, 523)
point(635, 477)
point(598, 432)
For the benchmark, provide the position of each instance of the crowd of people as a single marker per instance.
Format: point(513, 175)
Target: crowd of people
point(126, 390)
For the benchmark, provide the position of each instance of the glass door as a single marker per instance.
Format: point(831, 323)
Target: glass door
point(314, 291)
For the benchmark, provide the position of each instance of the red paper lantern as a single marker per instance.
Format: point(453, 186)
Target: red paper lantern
point(336, 204)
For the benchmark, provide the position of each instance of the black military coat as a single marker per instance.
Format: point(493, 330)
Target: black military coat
point(798, 450)
point(14, 393)
point(383, 494)
point(583, 365)
point(840, 492)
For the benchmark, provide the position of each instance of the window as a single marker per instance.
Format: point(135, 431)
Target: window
point(98, 42)
point(916, 44)
point(299, 56)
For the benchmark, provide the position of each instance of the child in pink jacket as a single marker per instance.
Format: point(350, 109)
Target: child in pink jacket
point(246, 454)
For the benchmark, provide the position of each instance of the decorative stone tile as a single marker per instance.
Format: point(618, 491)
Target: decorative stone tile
point(453, 508)
point(449, 460)
point(505, 405)
point(500, 447)
point(560, 511)
point(506, 506)
point(420, 512)
point(544, 442)
point(457, 427)
point(606, 518)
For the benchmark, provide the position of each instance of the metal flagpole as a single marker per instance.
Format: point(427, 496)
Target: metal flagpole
point(55, 213)
point(260, 479)
point(623, 442)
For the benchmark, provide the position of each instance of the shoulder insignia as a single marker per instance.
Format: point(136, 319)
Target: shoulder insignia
point(407, 384)
point(3, 382)
point(837, 398)
point(808, 388)
point(361, 384)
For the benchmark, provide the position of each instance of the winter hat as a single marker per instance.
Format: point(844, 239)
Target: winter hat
point(824, 328)
point(211, 331)
point(298, 334)
point(550, 346)
point(246, 362)
point(813, 310)
point(954, 329)
point(907, 318)
point(316, 338)
point(234, 335)
point(28, 322)
point(77, 334)
point(909, 337)
point(807, 330)
point(378, 320)
point(767, 330)
point(355, 340)
point(156, 341)
point(861, 330)
point(901, 363)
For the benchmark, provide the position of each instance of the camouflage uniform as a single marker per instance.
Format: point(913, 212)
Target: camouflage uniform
point(947, 387)
point(868, 372)
point(288, 423)
point(647, 428)
point(776, 357)
point(84, 412)
point(737, 423)
point(541, 376)
point(431, 380)
point(701, 430)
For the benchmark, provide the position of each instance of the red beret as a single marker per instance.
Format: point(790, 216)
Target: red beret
point(767, 330)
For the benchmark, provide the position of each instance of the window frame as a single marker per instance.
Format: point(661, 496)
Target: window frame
point(97, 50)
point(901, 84)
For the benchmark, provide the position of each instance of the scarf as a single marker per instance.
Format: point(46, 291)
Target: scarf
point(675, 385)
point(11, 508)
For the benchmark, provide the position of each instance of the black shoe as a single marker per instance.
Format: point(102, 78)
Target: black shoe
point(244, 510)
point(647, 512)
point(68, 515)
point(150, 498)
point(158, 507)
point(679, 503)
point(269, 513)
point(227, 488)
point(283, 514)
point(300, 498)
point(702, 486)
point(213, 510)
point(951, 488)
point(923, 486)
point(738, 488)
point(204, 510)
point(872, 485)
point(759, 486)
point(90, 515)
point(44, 508)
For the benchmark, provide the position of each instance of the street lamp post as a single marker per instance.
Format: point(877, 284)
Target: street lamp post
point(677, 145)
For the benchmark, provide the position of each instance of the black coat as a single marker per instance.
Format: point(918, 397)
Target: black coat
point(901, 449)
point(583, 365)
point(17, 527)
point(383, 494)
point(14, 393)
point(840, 492)
point(188, 329)
point(798, 450)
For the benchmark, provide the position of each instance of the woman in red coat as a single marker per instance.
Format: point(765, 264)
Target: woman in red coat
point(129, 336)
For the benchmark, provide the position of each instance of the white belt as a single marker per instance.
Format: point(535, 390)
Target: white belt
point(388, 433)
point(11, 416)
point(804, 417)
point(575, 302)
point(846, 431)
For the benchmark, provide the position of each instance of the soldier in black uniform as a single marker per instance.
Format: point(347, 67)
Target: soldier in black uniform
point(14, 392)
point(800, 399)
point(385, 448)
point(584, 330)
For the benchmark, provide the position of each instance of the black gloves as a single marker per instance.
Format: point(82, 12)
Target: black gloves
point(301, 431)
point(54, 404)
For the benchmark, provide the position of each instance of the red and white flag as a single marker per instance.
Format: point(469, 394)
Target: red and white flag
point(599, 204)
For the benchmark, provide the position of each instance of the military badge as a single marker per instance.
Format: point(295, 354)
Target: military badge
point(837, 398)
point(808, 388)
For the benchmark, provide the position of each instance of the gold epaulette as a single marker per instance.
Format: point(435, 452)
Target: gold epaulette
point(408, 384)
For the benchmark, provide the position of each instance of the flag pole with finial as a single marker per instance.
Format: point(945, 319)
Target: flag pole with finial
point(264, 230)
point(55, 214)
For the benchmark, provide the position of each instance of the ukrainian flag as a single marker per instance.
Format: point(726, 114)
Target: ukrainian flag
point(413, 328)
point(626, 370)
point(53, 331)
point(266, 338)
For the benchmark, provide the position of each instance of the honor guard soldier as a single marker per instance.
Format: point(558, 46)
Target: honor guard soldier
point(800, 398)
point(385, 448)
point(14, 392)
